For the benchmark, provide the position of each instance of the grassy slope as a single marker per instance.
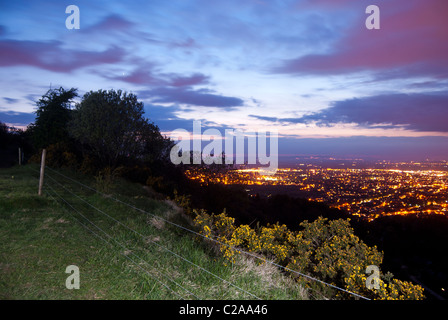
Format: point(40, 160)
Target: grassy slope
point(41, 236)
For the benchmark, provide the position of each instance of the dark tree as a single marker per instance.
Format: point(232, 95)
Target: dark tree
point(156, 148)
point(52, 117)
point(4, 135)
point(11, 139)
point(111, 126)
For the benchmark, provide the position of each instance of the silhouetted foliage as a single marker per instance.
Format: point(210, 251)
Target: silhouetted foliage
point(111, 127)
point(11, 139)
point(52, 116)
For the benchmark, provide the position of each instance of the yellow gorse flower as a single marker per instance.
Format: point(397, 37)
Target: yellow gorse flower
point(325, 249)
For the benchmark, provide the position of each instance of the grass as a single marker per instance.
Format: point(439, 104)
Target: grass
point(41, 236)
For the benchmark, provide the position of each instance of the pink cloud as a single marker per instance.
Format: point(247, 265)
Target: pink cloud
point(113, 22)
point(182, 81)
point(148, 74)
point(413, 39)
point(141, 77)
point(51, 56)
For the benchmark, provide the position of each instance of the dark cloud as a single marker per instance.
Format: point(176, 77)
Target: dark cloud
point(2, 30)
point(375, 148)
point(416, 111)
point(187, 95)
point(186, 44)
point(182, 81)
point(176, 88)
point(10, 100)
point(17, 118)
point(52, 56)
point(32, 97)
point(139, 76)
point(271, 119)
point(165, 117)
point(110, 23)
point(434, 84)
point(158, 112)
point(280, 120)
point(149, 77)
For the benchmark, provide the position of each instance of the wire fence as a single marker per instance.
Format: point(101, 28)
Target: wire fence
point(162, 247)
point(154, 242)
point(126, 250)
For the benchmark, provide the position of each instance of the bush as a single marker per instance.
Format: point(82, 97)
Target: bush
point(88, 165)
point(389, 289)
point(184, 202)
point(326, 250)
point(105, 179)
point(58, 155)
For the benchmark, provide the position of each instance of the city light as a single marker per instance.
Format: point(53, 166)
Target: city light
point(367, 193)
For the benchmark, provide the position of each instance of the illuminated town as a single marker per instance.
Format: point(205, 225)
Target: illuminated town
point(364, 192)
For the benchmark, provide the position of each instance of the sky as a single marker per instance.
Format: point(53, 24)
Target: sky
point(309, 69)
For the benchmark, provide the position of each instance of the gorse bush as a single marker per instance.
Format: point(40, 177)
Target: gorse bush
point(105, 179)
point(329, 249)
point(183, 201)
point(389, 289)
point(58, 155)
point(326, 250)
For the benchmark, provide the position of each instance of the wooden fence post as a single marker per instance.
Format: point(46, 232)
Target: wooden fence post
point(42, 168)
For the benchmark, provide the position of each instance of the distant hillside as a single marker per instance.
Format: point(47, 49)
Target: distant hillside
point(279, 207)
